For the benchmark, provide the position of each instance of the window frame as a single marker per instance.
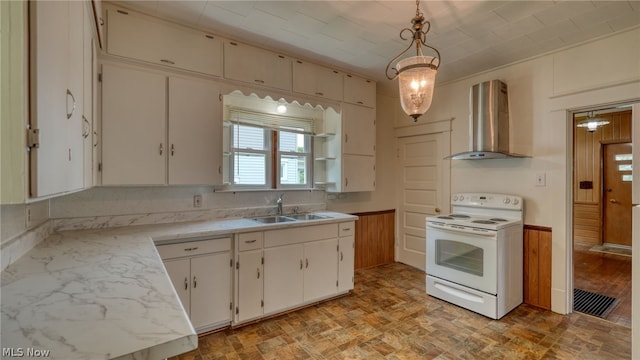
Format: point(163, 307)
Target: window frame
point(268, 154)
point(308, 154)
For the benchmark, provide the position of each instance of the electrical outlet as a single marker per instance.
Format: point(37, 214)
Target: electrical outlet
point(197, 201)
point(541, 179)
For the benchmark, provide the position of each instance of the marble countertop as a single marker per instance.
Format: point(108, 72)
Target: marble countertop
point(103, 294)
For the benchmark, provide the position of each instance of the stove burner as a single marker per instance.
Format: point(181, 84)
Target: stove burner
point(445, 217)
point(459, 216)
point(498, 219)
point(483, 222)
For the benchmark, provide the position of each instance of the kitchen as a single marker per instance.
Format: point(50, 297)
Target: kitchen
point(547, 87)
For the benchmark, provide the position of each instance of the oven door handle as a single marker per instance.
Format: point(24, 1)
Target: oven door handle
point(454, 228)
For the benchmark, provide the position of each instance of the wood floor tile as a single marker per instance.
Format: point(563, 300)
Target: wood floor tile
point(389, 316)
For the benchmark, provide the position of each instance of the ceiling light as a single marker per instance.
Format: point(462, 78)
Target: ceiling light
point(282, 107)
point(417, 74)
point(592, 123)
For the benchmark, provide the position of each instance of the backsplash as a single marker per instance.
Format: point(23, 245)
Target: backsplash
point(103, 207)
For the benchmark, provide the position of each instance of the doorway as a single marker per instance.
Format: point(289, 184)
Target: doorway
point(601, 226)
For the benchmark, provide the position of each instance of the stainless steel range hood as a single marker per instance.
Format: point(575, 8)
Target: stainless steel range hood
point(488, 123)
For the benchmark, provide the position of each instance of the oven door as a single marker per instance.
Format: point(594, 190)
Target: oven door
point(464, 256)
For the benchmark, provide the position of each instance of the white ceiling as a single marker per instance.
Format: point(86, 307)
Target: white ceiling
point(362, 36)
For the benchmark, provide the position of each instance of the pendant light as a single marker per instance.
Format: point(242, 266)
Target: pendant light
point(592, 123)
point(417, 74)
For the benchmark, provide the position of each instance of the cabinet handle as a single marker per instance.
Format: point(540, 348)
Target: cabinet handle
point(250, 241)
point(160, 149)
point(167, 61)
point(320, 93)
point(219, 169)
point(258, 273)
point(191, 248)
point(86, 127)
point(341, 256)
point(73, 108)
point(186, 283)
point(195, 282)
point(360, 102)
point(173, 149)
point(300, 264)
point(95, 136)
point(346, 229)
point(259, 81)
point(307, 263)
point(346, 182)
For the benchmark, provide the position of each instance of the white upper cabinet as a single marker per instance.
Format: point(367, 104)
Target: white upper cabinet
point(57, 97)
point(316, 80)
point(140, 37)
point(359, 91)
point(195, 132)
point(140, 138)
point(256, 66)
point(133, 127)
point(358, 125)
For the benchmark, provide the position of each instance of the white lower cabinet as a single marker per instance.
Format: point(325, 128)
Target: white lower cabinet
point(249, 302)
point(346, 257)
point(279, 270)
point(201, 275)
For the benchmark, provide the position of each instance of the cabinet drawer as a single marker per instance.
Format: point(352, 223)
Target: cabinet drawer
point(346, 229)
point(300, 234)
point(249, 241)
point(192, 248)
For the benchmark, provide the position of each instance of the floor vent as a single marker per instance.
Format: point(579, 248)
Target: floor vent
point(593, 304)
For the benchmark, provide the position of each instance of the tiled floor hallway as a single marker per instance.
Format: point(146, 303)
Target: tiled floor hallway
point(389, 316)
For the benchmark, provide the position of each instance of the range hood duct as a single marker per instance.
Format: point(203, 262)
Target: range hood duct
point(488, 123)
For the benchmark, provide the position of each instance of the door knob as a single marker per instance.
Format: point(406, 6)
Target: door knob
point(613, 201)
point(437, 210)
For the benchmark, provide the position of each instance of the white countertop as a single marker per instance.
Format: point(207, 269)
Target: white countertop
point(102, 294)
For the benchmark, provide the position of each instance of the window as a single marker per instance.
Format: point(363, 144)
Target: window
point(267, 152)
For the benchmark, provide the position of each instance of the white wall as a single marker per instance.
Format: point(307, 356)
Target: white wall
point(541, 92)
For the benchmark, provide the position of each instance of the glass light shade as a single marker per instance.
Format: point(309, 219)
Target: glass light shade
point(416, 79)
point(592, 124)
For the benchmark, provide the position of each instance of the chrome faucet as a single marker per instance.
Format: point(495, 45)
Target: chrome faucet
point(279, 203)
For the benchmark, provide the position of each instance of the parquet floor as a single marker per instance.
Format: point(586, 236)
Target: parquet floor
point(389, 316)
point(604, 274)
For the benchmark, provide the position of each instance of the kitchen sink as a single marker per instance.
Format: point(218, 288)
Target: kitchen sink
point(273, 219)
point(307, 216)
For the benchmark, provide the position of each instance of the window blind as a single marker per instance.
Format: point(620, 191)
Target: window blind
point(271, 121)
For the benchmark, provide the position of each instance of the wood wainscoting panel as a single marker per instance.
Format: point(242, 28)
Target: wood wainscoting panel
point(587, 223)
point(537, 266)
point(375, 238)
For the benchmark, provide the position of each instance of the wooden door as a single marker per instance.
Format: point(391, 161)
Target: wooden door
point(617, 194)
point(422, 190)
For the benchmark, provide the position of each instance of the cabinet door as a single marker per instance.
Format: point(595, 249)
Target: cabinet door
point(359, 130)
point(283, 268)
point(320, 269)
point(256, 66)
point(312, 79)
point(250, 277)
point(88, 99)
point(139, 37)
point(179, 273)
point(358, 173)
point(195, 132)
point(359, 91)
point(56, 97)
point(346, 263)
point(133, 126)
point(210, 289)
